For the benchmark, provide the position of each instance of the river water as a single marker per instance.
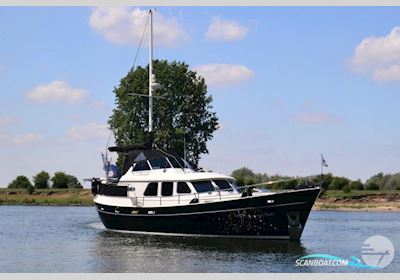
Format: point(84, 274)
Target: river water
point(72, 239)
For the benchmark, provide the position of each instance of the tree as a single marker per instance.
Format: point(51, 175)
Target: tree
point(338, 183)
point(73, 182)
point(21, 182)
point(356, 185)
point(183, 115)
point(41, 180)
point(62, 180)
point(324, 180)
point(376, 181)
point(347, 189)
point(371, 186)
point(244, 176)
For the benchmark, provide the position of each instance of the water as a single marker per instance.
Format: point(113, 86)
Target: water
point(72, 239)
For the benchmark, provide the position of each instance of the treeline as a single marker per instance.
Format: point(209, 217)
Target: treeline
point(42, 180)
point(380, 181)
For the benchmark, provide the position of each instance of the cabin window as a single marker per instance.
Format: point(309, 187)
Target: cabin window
point(151, 189)
point(159, 163)
point(166, 188)
point(141, 165)
point(222, 184)
point(183, 188)
point(203, 186)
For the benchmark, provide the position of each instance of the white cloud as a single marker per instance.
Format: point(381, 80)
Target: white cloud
point(391, 73)
point(314, 118)
point(89, 131)
point(375, 52)
point(379, 56)
point(20, 139)
point(125, 25)
point(224, 74)
point(57, 91)
point(7, 120)
point(225, 30)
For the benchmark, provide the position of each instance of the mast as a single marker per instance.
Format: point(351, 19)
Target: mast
point(151, 73)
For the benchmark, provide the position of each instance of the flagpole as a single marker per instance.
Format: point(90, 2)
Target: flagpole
point(323, 163)
point(322, 172)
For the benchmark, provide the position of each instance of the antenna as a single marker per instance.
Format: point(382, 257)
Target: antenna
point(153, 86)
point(151, 73)
point(152, 78)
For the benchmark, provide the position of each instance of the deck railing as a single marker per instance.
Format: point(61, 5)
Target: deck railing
point(181, 199)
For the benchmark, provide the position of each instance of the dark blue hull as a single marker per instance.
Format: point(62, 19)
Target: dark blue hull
point(277, 216)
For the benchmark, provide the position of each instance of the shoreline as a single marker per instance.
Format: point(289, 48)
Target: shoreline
point(363, 208)
point(356, 201)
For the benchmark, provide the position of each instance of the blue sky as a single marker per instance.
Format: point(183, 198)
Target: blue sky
point(288, 84)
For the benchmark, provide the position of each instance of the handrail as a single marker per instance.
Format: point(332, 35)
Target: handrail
point(275, 182)
point(188, 197)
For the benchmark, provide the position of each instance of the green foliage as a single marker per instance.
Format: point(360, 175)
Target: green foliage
point(347, 189)
point(73, 182)
point(41, 180)
point(371, 186)
point(380, 181)
point(325, 180)
point(338, 183)
point(21, 182)
point(356, 185)
point(245, 176)
point(185, 112)
point(62, 180)
point(31, 189)
point(385, 181)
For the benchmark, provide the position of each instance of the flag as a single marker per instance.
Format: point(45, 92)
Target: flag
point(323, 161)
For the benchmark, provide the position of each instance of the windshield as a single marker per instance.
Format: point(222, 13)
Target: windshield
point(223, 184)
point(159, 163)
point(203, 186)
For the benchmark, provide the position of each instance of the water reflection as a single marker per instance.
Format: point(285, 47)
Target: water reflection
point(125, 252)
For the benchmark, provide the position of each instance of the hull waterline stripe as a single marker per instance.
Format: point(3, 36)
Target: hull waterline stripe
point(201, 235)
point(203, 212)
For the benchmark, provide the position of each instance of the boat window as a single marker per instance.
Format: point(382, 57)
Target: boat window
point(151, 189)
point(141, 165)
point(159, 163)
point(174, 162)
point(223, 184)
point(203, 186)
point(183, 188)
point(166, 188)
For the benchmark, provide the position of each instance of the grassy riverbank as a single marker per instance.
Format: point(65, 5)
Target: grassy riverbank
point(361, 200)
point(58, 197)
point(330, 200)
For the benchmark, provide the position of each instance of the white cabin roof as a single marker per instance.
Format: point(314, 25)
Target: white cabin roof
point(169, 174)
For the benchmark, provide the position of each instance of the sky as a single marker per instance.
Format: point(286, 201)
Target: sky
point(288, 83)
